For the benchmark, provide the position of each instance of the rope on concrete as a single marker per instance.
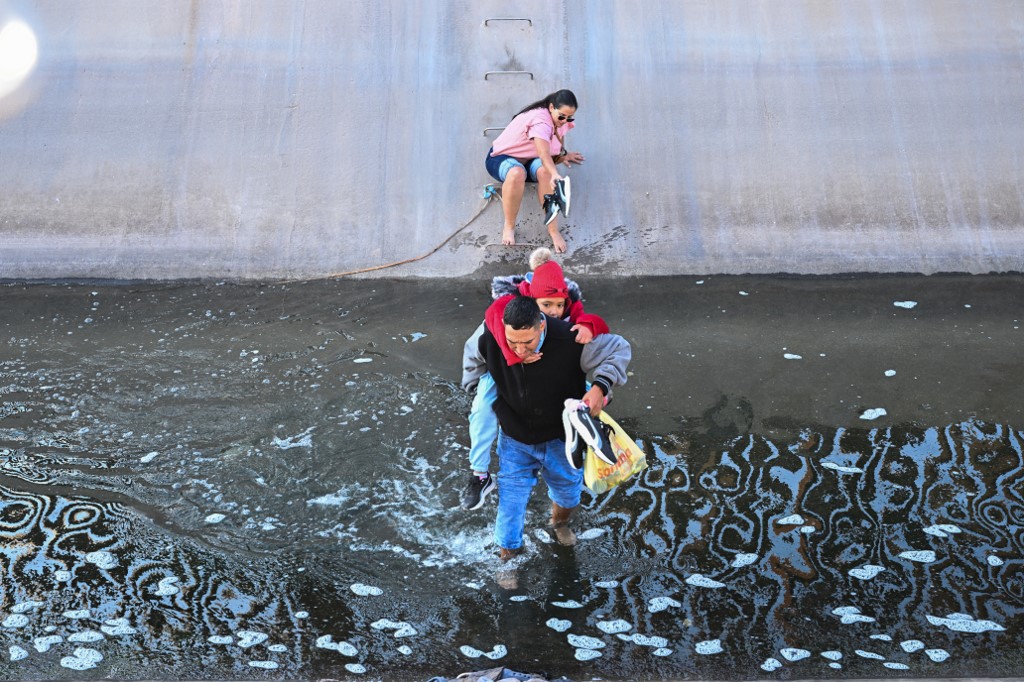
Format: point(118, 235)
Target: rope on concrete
point(489, 193)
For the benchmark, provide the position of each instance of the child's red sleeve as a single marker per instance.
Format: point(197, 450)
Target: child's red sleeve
point(595, 323)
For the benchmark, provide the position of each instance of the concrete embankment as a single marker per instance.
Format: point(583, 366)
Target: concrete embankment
point(261, 140)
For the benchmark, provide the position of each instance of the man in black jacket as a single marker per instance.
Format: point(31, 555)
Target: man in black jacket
point(531, 396)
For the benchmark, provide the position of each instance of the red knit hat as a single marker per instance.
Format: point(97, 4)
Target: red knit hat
point(548, 282)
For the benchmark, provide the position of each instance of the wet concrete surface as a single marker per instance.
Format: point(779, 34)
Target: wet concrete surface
point(221, 480)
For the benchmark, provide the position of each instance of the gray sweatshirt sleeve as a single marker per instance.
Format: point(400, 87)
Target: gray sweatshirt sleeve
point(605, 359)
point(473, 364)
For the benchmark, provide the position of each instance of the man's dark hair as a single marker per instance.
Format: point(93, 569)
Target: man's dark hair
point(522, 312)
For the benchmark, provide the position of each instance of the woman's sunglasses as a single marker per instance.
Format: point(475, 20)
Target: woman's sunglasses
point(563, 117)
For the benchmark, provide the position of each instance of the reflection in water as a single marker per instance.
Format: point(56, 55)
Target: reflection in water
point(191, 498)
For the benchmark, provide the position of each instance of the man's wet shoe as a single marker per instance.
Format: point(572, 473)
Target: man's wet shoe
point(476, 490)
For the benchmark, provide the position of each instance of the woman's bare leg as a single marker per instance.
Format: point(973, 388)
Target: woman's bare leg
point(545, 185)
point(512, 190)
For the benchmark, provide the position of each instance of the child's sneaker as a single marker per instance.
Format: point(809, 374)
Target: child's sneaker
point(575, 447)
point(551, 208)
point(562, 195)
point(476, 490)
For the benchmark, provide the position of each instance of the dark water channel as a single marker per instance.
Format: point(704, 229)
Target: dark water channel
point(215, 480)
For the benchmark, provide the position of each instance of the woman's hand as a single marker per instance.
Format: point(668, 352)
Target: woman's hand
point(570, 158)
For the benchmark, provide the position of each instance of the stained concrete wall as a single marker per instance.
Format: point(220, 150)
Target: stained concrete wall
point(258, 138)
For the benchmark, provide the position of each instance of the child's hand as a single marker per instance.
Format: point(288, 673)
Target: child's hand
point(583, 334)
point(532, 356)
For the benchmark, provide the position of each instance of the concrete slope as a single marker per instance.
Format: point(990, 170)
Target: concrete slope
point(300, 139)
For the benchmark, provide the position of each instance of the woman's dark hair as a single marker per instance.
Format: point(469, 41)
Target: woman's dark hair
point(522, 312)
point(560, 98)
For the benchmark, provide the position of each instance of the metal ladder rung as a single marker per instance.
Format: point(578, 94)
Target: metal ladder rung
point(512, 73)
point(529, 21)
point(489, 129)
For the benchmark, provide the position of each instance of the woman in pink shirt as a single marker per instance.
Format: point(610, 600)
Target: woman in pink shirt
point(528, 150)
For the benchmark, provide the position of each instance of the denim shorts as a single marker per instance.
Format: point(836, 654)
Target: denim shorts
point(519, 465)
point(498, 166)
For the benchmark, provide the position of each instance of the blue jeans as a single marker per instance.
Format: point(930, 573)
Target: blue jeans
point(520, 464)
point(483, 424)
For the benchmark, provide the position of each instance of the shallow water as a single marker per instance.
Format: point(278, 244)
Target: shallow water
point(261, 481)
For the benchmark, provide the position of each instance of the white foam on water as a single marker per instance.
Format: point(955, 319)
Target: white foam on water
point(265, 665)
point(993, 560)
point(542, 536)
point(299, 440)
point(101, 559)
point(220, 639)
point(792, 356)
point(961, 622)
point(940, 530)
point(366, 590)
point(771, 665)
point(474, 586)
point(43, 644)
point(519, 597)
point(882, 638)
point(404, 650)
point(214, 518)
point(661, 651)
point(792, 654)
point(277, 648)
point(905, 304)
point(248, 638)
point(16, 652)
point(698, 580)
point(406, 631)
point(416, 336)
point(607, 584)
point(330, 500)
point(585, 641)
point(165, 587)
point(117, 627)
point(470, 652)
point(356, 668)
point(360, 361)
point(743, 293)
point(146, 459)
point(709, 647)
point(86, 636)
point(873, 413)
point(570, 604)
point(807, 530)
point(386, 624)
point(936, 655)
point(25, 606)
point(83, 659)
point(645, 640)
point(15, 621)
point(343, 648)
point(742, 560)
point(869, 654)
point(835, 666)
point(62, 576)
point(865, 572)
point(890, 372)
point(842, 469)
point(591, 533)
point(587, 654)
point(912, 645)
point(499, 651)
point(921, 556)
point(896, 666)
point(791, 520)
point(76, 614)
point(832, 655)
point(558, 625)
point(612, 627)
point(302, 614)
point(657, 604)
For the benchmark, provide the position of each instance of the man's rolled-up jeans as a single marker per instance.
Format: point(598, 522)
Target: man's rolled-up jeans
point(519, 465)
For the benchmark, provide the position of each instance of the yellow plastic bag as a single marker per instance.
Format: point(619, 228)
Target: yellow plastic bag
point(601, 476)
